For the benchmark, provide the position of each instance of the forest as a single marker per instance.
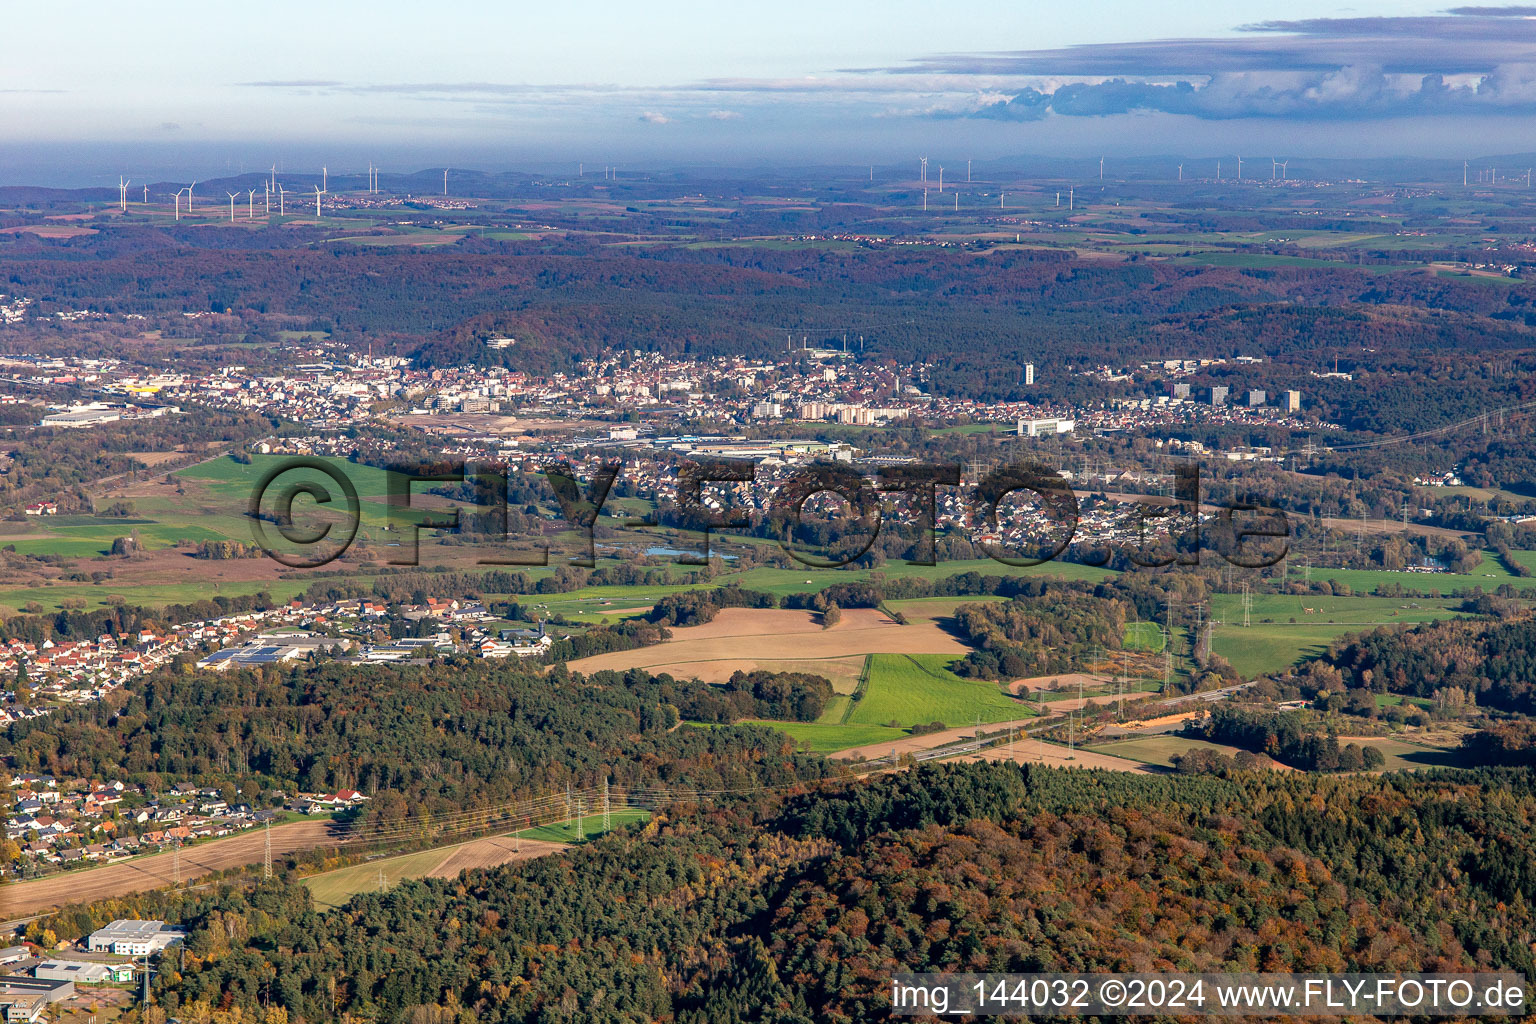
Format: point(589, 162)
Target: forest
point(796, 907)
point(1493, 663)
point(423, 742)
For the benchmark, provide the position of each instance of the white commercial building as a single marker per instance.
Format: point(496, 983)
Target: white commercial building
point(133, 938)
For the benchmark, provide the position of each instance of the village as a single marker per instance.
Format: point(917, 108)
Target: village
point(62, 823)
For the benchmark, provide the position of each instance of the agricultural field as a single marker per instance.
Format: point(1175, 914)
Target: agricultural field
point(744, 638)
point(1489, 575)
point(915, 689)
point(826, 737)
point(1288, 628)
point(332, 889)
point(1158, 750)
point(935, 609)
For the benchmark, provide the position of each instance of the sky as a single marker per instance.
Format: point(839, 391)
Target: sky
point(89, 90)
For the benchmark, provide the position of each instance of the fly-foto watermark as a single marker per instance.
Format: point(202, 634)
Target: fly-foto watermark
point(1161, 532)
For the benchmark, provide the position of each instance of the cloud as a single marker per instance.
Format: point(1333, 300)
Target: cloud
point(292, 83)
point(652, 117)
point(1470, 61)
point(724, 115)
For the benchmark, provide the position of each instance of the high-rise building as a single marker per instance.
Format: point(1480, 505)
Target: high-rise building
point(1029, 374)
point(1181, 390)
point(1293, 401)
point(1219, 394)
point(1256, 397)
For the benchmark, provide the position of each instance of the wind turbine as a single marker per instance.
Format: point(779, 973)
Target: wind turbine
point(122, 193)
point(250, 205)
point(1101, 168)
point(941, 179)
point(922, 173)
point(272, 183)
point(325, 180)
point(1274, 166)
point(318, 193)
point(232, 197)
point(445, 181)
point(1181, 172)
point(967, 172)
point(267, 192)
point(146, 195)
point(1283, 165)
point(1463, 174)
point(282, 210)
point(189, 197)
point(1239, 168)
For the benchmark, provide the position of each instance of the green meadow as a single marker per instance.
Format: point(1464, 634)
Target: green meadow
point(915, 689)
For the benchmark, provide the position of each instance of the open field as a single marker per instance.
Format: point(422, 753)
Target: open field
point(1404, 756)
point(1489, 574)
point(739, 635)
point(831, 737)
point(1161, 750)
point(1145, 636)
point(917, 689)
point(1030, 751)
point(22, 899)
point(936, 608)
point(334, 888)
point(1287, 628)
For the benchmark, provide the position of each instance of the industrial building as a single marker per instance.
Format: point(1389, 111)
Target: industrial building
point(81, 972)
point(133, 938)
point(1045, 428)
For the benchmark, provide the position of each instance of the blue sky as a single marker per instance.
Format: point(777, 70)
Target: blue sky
point(520, 84)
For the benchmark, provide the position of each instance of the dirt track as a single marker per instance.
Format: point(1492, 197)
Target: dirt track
point(24, 899)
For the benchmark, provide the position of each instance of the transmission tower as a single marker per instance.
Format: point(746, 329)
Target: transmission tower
point(383, 886)
point(1247, 606)
point(607, 817)
point(266, 852)
point(176, 862)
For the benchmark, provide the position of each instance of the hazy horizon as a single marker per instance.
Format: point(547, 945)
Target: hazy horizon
point(677, 84)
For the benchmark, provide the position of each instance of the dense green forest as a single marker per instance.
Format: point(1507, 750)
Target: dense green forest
point(428, 741)
point(797, 908)
point(1035, 636)
point(1492, 664)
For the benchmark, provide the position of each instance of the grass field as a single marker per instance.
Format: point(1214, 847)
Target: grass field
point(333, 889)
point(935, 608)
point(1159, 750)
point(829, 737)
point(914, 689)
point(1145, 636)
point(1488, 575)
point(1274, 641)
